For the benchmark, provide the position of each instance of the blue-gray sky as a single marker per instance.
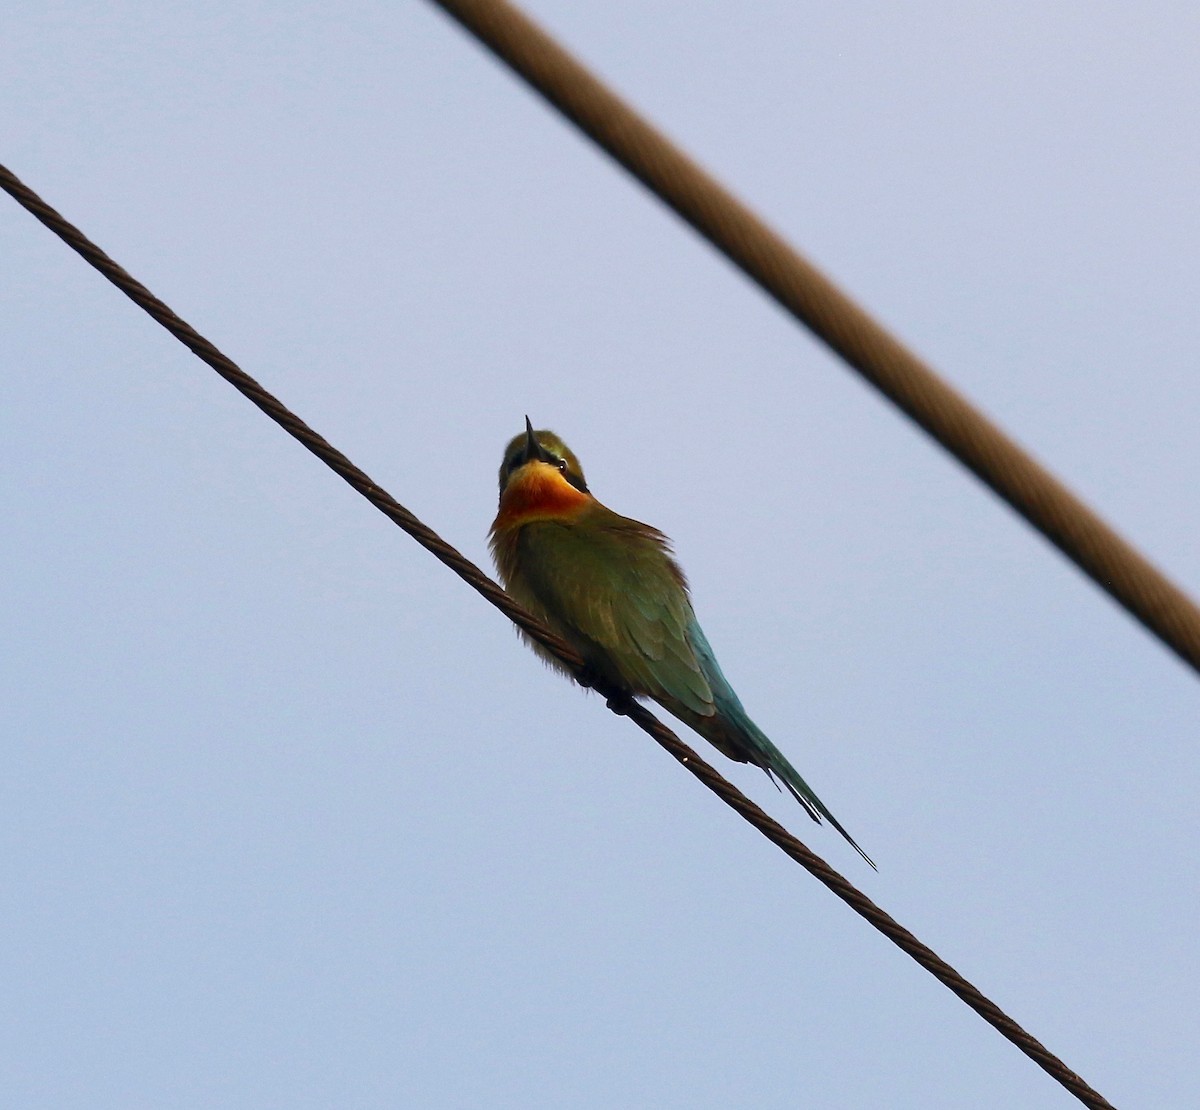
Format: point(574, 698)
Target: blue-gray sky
point(288, 817)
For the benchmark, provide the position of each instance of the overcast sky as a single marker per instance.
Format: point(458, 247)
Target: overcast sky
point(289, 817)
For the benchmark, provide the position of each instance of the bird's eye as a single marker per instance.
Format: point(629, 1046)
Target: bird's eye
point(562, 465)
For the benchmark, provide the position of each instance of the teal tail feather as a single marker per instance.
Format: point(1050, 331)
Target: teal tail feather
point(754, 745)
point(780, 770)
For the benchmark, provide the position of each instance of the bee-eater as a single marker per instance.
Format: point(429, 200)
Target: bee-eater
point(609, 587)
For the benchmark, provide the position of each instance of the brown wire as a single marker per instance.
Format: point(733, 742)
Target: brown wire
point(618, 702)
point(1087, 540)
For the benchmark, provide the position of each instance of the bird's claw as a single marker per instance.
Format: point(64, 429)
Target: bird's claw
point(619, 704)
point(616, 700)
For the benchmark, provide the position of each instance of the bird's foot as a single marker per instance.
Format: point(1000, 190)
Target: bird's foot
point(619, 704)
point(617, 700)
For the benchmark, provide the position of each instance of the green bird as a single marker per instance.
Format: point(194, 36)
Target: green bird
point(609, 587)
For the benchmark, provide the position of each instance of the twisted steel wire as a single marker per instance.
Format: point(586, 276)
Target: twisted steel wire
point(618, 701)
point(815, 301)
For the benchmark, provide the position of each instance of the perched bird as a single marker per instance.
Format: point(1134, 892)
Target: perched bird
point(609, 587)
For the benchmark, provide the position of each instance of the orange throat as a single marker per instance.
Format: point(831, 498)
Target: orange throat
point(538, 491)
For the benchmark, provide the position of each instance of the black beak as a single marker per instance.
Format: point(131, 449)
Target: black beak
point(533, 449)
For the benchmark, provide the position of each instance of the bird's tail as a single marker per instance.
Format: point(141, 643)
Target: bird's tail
point(763, 753)
point(777, 767)
point(733, 733)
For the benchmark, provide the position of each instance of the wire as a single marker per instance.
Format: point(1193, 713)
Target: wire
point(800, 288)
point(619, 702)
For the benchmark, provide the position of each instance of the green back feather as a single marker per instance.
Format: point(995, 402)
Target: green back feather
point(609, 584)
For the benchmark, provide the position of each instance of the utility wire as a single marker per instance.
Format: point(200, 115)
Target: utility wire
point(808, 295)
point(619, 702)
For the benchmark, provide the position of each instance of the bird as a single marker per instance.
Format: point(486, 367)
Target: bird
point(611, 588)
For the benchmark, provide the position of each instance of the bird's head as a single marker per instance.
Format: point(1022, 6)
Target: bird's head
point(539, 457)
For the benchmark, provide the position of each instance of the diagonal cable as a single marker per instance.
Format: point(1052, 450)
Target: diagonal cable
point(808, 295)
point(620, 703)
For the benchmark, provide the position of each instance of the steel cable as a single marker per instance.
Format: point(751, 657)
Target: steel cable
point(800, 288)
point(618, 702)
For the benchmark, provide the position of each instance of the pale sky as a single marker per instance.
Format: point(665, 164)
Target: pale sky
point(290, 818)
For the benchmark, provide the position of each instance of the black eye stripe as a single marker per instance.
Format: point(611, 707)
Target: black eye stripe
point(518, 460)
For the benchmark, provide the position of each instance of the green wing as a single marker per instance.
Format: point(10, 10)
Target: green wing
point(610, 586)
